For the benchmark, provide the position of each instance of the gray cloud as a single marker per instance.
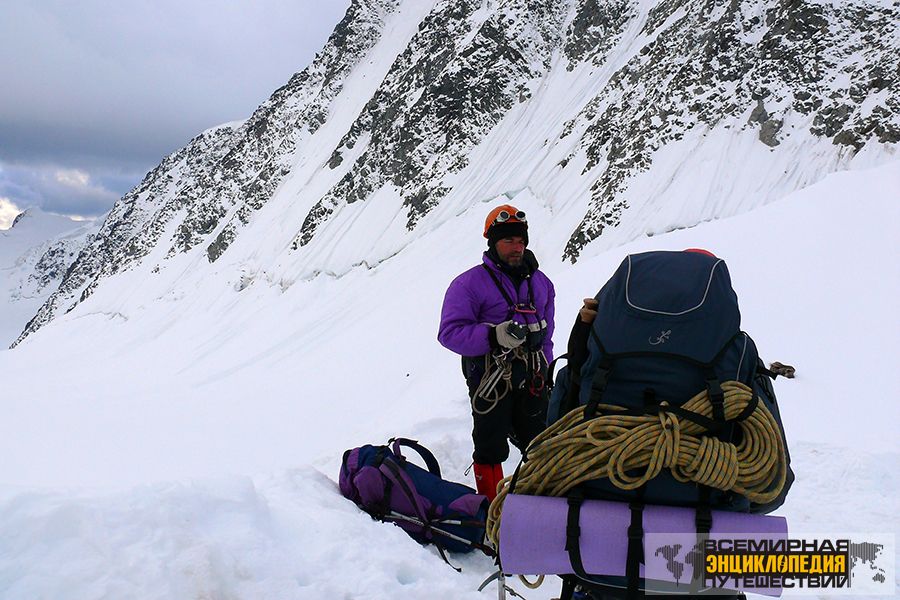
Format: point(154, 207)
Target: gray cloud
point(55, 189)
point(109, 88)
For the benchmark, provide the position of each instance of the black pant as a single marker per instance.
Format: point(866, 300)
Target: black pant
point(519, 417)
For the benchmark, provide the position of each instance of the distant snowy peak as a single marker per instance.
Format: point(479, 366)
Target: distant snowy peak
point(602, 110)
point(36, 238)
point(35, 255)
point(40, 222)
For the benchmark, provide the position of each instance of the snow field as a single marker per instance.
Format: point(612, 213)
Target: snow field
point(186, 444)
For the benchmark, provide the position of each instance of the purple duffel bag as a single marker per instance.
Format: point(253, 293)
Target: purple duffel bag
point(533, 537)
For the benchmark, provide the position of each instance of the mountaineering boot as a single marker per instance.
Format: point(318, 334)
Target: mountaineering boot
point(486, 479)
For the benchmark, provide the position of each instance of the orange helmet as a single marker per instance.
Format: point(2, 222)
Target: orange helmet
point(506, 213)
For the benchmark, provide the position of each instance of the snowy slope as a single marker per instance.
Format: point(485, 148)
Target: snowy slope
point(187, 445)
point(34, 256)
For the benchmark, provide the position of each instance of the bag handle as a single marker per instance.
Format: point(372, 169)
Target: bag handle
point(430, 461)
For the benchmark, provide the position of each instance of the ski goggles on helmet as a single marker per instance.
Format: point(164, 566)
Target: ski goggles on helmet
point(504, 215)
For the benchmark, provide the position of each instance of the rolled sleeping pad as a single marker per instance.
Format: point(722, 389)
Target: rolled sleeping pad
point(533, 537)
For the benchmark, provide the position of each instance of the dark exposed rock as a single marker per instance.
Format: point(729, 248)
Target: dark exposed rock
point(596, 29)
point(768, 132)
point(759, 114)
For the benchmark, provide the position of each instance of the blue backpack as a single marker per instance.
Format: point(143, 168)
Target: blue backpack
point(388, 487)
point(667, 327)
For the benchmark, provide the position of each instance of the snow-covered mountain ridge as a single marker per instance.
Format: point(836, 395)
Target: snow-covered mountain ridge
point(619, 119)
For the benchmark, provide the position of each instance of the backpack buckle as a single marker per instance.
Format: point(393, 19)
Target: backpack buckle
point(716, 398)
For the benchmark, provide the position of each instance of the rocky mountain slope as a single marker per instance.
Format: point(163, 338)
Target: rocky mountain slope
point(589, 113)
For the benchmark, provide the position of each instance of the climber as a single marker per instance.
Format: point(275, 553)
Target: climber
point(499, 317)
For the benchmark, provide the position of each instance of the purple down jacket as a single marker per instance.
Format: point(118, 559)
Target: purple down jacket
point(473, 304)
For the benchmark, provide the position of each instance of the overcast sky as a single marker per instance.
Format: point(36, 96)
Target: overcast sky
point(94, 94)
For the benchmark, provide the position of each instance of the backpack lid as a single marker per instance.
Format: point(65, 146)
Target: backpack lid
point(666, 302)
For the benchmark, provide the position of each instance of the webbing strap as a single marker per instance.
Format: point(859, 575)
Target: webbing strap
point(635, 554)
point(703, 523)
point(509, 301)
point(573, 533)
point(711, 425)
point(703, 518)
point(552, 367)
point(515, 476)
point(598, 387)
point(716, 395)
point(443, 554)
point(703, 515)
point(393, 473)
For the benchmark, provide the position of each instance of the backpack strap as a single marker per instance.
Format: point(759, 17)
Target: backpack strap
point(395, 474)
point(703, 520)
point(573, 532)
point(635, 541)
point(430, 461)
point(598, 381)
point(635, 555)
point(716, 395)
point(384, 506)
point(530, 293)
point(598, 386)
point(703, 524)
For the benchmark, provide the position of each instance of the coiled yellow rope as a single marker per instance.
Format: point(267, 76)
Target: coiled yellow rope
point(572, 451)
